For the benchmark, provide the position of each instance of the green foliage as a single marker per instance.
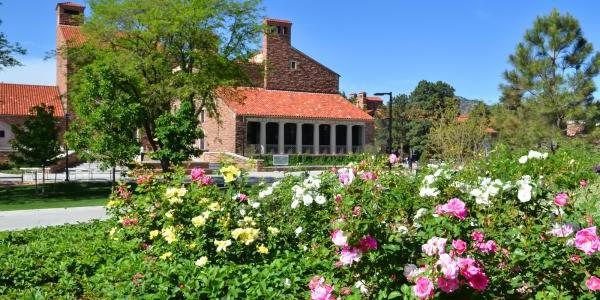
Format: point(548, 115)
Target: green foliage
point(106, 114)
point(553, 72)
point(177, 132)
point(36, 141)
point(169, 52)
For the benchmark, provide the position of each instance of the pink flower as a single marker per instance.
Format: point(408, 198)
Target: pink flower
point(477, 236)
point(448, 285)
point(561, 199)
point(587, 241)
point(316, 281)
point(423, 288)
point(487, 247)
point(434, 245)
point(338, 238)
point(468, 267)
point(348, 256)
point(242, 197)
point(345, 291)
point(322, 292)
point(393, 159)
point(564, 230)
point(583, 183)
point(356, 211)
point(197, 174)
point(456, 208)
point(593, 283)
point(478, 281)
point(129, 222)
point(338, 198)
point(368, 176)
point(448, 266)
point(575, 258)
point(460, 246)
point(346, 176)
point(143, 179)
point(368, 243)
point(207, 180)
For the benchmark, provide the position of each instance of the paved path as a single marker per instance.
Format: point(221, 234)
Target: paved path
point(24, 219)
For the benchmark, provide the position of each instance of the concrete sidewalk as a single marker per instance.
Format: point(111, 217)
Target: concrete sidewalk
point(31, 218)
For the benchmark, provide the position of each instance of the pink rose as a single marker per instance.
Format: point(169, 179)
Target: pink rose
point(345, 291)
point(207, 180)
point(587, 241)
point(561, 199)
point(348, 256)
point(322, 292)
point(356, 211)
point(460, 246)
point(448, 266)
point(338, 238)
point(564, 230)
point(368, 176)
point(593, 283)
point(583, 183)
point(393, 159)
point(487, 247)
point(368, 243)
point(423, 288)
point(477, 236)
point(316, 281)
point(454, 207)
point(338, 198)
point(478, 281)
point(242, 197)
point(575, 258)
point(197, 174)
point(434, 245)
point(448, 285)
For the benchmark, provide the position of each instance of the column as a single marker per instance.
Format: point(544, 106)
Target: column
point(349, 138)
point(263, 137)
point(299, 138)
point(315, 138)
point(280, 139)
point(362, 137)
point(332, 138)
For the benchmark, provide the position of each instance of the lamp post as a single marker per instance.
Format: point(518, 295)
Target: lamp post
point(66, 148)
point(389, 141)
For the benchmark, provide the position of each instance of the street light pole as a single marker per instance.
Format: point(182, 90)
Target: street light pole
point(389, 141)
point(66, 148)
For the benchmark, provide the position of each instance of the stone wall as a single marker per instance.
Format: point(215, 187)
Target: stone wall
point(220, 136)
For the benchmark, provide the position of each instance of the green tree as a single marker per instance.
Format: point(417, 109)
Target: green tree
point(36, 141)
point(428, 102)
point(105, 133)
point(400, 117)
point(171, 52)
point(8, 51)
point(553, 68)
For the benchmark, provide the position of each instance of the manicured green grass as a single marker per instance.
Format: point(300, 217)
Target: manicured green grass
point(64, 194)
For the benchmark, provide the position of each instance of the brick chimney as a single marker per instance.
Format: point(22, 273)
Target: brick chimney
point(361, 100)
point(69, 13)
point(277, 38)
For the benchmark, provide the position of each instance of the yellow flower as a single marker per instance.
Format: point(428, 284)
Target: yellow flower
point(112, 203)
point(203, 200)
point(214, 206)
point(202, 261)
point(273, 230)
point(154, 234)
point(222, 245)
point(262, 249)
point(113, 231)
point(169, 214)
point(230, 173)
point(198, 221)
point(166, 256)
point(248, 221)
point(174, 194)
point(169, 234)
point(245, 235)
point(206, 214)
point(192, 246)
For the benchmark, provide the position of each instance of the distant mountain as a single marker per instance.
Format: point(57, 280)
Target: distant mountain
point(466, 105)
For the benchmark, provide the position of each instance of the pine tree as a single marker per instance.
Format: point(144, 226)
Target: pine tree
point(553, 70)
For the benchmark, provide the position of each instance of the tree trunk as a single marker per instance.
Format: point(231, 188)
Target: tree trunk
point(164, 164)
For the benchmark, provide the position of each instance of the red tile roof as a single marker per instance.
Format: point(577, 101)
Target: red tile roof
point(260, 102)
point(75, 4)
point(375, 99)
point(72, 34)
point(17, 99)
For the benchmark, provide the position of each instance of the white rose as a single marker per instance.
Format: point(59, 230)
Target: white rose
point(523, 159)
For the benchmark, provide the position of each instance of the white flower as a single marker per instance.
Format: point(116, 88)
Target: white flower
point(298, 230)
point(524, 193)
point(402, 229)
point(361, 286)
point(428, 192)
point(420, 212)
point(537, 155)
point(295, 203)
point(307, 199)
point(320, 199)
point(287, 282)
point(408, 269)
point(523, 159)
point(201, 261)
point(429, 179)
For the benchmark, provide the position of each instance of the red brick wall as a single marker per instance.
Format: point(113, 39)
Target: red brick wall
point(220, 136)
point(309, 75)
point(61, 67)
point(369, 133)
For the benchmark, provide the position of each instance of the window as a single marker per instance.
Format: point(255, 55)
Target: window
point(293, 65)
point(70, 11)
point(284, 30)
point(279, 29)
point(2, 134)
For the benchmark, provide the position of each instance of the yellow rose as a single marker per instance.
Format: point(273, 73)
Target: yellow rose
point(166, 256)
point(154, 234)
point(222, 245)
point(198, 221)
point(273, 230)
point(192, 246)
point(113, 231)
point(245, 235)
point(202, 261)
point(169, 214)
point(230, 173)
point(262, 249)
point(214, 206)
point(112, 203)
point(169, 234)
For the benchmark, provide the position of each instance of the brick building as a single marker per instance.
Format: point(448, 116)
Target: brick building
point(293, 105)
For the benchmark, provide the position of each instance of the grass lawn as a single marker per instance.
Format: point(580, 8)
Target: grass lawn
point(64, 194)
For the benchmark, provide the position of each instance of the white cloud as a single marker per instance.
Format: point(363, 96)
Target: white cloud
point(33, 71)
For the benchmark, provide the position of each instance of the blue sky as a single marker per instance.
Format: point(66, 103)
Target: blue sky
point(376, 46)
